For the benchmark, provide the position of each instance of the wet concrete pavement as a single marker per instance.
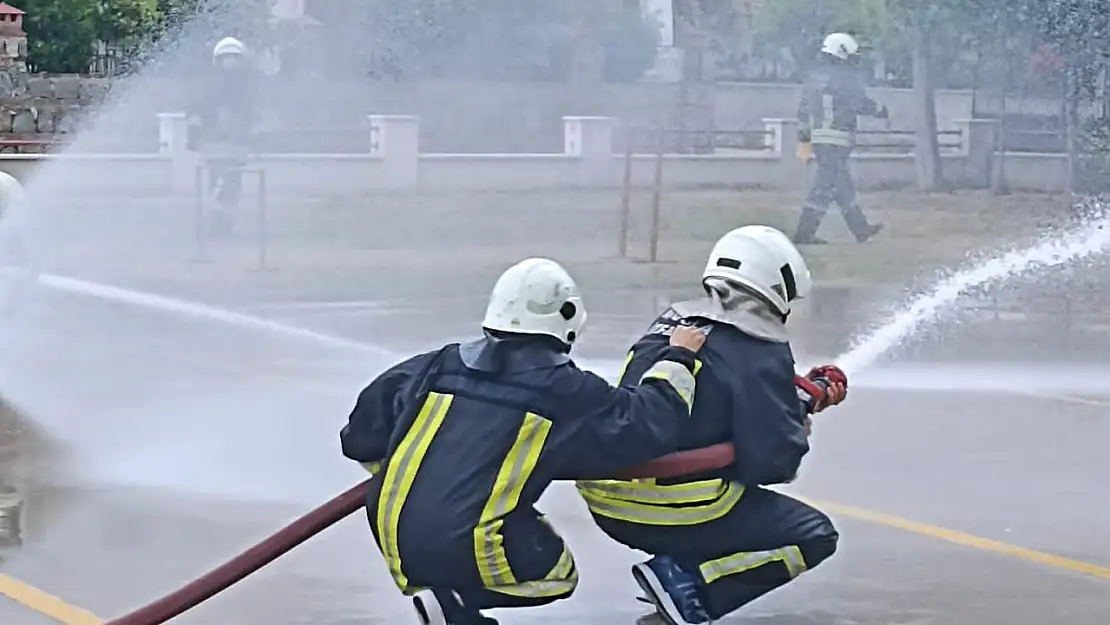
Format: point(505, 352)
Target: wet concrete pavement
point(186, 440)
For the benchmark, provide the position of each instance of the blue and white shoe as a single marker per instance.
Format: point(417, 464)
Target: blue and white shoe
point(673, 591)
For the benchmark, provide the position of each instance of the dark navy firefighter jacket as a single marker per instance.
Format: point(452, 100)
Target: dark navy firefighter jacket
point(833, 98)
point(464, 440)
point(746, 396)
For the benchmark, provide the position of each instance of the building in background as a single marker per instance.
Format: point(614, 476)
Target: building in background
point(13, 40)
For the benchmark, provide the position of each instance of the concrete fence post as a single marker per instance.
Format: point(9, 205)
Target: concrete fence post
point(978, 143)
point(590, 140)
point(396, 139)
point(782, 139)
point(173, 137)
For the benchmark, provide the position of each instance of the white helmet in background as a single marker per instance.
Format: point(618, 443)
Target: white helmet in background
point(762, 260)
point(536, 296)
point(228, 46)
point(841, 45)
point(12, 193)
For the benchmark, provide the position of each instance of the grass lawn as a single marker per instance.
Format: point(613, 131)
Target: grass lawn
point(924, 232)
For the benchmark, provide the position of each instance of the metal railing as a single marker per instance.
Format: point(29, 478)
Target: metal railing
point(910, 143)
point(201, 215)
point(657, 138)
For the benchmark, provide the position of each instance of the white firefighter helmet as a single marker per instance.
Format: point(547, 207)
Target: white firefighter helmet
point(841, 45)
point(761, 259)
point(13, 200)
point(536, 296)
point(228, 46)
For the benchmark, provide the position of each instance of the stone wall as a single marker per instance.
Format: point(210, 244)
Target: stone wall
point(45, 105)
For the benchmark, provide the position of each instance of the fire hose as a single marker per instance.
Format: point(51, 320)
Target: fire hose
point(350, 501)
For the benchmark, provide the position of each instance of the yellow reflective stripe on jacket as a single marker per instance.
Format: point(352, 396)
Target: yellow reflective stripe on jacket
point(790, 556)
point(561, 580)
point(677, 375)
point(400, 474)
point(647, 491)
point(647, 514)
point(372, 467)
point(489, 549)
point(628, 361)
point(624, 365)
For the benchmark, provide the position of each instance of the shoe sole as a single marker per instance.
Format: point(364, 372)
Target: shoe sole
point(428, 613)
point(656, 595)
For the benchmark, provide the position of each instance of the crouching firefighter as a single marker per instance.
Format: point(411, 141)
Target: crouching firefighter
point(465, 439)
point(832, 101)
point(719, 539)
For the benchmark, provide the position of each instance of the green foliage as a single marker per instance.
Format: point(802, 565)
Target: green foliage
point(62, 34)
point(630, 42)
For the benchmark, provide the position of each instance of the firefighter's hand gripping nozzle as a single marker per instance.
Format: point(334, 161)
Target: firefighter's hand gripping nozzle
point(822, 387)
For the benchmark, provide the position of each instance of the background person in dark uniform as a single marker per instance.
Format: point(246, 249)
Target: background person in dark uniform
point(221, 124)
point(463, 441)
point(832, 100)
point(718, 539)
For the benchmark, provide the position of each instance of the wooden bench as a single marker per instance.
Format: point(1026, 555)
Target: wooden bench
point(26, 146)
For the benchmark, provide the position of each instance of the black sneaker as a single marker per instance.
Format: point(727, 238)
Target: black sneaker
point(871, 231)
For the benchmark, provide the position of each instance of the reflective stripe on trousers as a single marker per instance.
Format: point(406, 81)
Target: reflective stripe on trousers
point(648, 492)
point(561, 580)
point(489, 549)
point(399, 476)
point(790, 556)
point(601, 499)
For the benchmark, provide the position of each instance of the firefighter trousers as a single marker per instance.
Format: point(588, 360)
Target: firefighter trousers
point(832, 184)
point(765, 541)
point(542, 567)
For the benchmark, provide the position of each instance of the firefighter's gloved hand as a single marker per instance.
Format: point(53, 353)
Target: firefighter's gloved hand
point(835, 383)
point(687, 337)
point(804, 135)
point(883, 112)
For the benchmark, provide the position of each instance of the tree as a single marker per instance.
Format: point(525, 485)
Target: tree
point(62, 34)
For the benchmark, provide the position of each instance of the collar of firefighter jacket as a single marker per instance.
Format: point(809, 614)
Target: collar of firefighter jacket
point(741, 310)
point(495, 354)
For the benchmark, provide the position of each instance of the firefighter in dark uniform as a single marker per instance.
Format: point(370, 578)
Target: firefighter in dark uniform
point(832, 100)
point(464, 440)
point(221, 124)
point(719, 539)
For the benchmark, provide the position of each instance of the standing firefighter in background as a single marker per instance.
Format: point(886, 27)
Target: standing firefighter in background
point(465, 439)
point(221, 122)
point(832, 100)
point(718, 539)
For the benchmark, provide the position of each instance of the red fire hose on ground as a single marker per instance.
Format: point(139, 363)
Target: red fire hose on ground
point(215, 581)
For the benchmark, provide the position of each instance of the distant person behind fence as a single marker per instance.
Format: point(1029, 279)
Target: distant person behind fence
point(832, 100)
point(221, 121)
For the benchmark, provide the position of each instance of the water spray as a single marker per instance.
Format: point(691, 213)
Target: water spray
point(1091, 239)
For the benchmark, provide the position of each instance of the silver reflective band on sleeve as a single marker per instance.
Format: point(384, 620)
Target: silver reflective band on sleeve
point(831, 137)
point(677, 375)
point(790, 556)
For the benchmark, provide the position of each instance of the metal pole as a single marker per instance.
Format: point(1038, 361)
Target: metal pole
point(263, 226)
point(656, 197)
point(198, 212)
point(626, 193)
